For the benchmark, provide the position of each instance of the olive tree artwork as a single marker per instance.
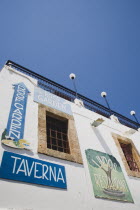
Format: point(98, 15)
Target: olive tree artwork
point(107, 177)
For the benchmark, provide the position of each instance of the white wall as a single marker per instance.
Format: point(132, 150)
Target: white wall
point(100, 138)
point(79, 193)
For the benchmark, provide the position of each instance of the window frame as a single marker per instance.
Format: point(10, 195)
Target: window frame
point(60, 119)
point(75, 153)
point(120, 139)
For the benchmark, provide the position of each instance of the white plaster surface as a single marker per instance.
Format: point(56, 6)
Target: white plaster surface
point(15, 195)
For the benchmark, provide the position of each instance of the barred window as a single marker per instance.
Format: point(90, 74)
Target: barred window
point(129, 154)
point(127, 150)
point(57, 134)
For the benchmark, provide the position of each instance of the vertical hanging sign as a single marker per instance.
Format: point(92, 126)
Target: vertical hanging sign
point(13, 134)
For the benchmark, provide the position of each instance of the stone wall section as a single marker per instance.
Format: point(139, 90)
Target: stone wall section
point(75, 154)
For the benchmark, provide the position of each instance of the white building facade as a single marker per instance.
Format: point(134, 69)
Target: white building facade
point(57, 154)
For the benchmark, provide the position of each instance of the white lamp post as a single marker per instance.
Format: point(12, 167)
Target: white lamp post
point(133, 113)
point(72, 76)
point(104, 94)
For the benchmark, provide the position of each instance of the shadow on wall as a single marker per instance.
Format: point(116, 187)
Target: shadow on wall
point(102, 141)
point(58, 160)
point(31, 184)
point(17, 151)
point(40, 156)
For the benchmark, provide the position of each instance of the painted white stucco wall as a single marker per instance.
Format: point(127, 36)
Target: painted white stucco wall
point(79, 193)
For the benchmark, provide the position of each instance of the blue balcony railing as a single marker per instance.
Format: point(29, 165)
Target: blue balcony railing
point(69, 94)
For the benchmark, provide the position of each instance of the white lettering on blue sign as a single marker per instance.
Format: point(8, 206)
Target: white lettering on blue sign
point(16, 120)
point(51, 100)
point(48, 174)
point(26, 169)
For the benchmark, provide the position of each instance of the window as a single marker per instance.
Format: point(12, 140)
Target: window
point(129, 155)
point(57, 135)
point(127, 150)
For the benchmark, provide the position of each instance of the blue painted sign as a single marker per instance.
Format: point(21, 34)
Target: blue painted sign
point(51, 100)
point(25, 169)
point(15, 127)
point(16, 121)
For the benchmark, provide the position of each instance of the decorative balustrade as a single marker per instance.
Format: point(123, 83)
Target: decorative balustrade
point(68, 94)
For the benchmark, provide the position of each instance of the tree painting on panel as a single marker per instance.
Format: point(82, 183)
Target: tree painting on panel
point(107, 177)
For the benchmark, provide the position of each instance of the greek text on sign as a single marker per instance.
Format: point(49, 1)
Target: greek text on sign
point(51, 100)
point(26, 169)
point(14, 133)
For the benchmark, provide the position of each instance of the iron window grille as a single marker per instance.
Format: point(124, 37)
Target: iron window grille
point(127, 150)
point(57, 134)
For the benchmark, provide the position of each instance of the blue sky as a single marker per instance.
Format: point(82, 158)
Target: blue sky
point(98, 40)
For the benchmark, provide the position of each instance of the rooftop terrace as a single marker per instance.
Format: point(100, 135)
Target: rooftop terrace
point(69, 94)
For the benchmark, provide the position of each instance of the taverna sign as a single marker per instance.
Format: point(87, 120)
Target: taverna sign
point(26, 169)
